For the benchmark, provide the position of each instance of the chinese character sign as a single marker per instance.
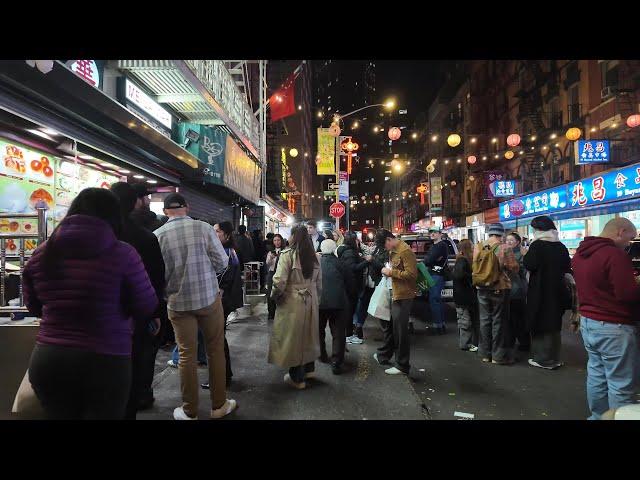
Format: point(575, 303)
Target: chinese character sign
point(592, 151)
point(617, 184)
point(489, 178)
point(503, 188)
point(87, 70)
point(540, 203)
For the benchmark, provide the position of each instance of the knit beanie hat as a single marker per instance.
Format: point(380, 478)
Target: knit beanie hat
point(328, 247)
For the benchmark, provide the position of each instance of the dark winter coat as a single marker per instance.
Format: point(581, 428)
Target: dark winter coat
point(230, 282)
point(244, 249)
point(147, 219)
point(547, 297)
point(334, 273)
point(354, 267)
point(147, 246)
point(379, 258)
point(259, 250)
point(98, 284)
point(464, 295)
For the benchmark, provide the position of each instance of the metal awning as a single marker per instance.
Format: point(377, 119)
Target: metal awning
point(202, 91)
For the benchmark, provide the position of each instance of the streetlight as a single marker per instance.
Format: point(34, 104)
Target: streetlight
point(389, 104)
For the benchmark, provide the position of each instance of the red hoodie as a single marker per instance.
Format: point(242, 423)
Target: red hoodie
point(604, 278)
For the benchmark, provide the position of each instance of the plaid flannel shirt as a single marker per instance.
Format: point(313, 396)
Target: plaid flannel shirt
point(192, 255)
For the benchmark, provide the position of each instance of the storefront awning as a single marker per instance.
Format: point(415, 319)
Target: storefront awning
point(63, 101)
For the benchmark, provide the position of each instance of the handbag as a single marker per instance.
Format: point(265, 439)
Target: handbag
point(380, 303)
point(26, 402)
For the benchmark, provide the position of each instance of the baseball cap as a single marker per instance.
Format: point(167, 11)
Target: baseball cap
point(174, 200)
point(495, 229)
point(435, 230)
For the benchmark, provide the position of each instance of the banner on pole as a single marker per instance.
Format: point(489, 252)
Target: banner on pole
point(436, 191)
point(344, 186)
point(326, 153)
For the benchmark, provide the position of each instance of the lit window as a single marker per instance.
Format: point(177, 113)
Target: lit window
point(367, 222)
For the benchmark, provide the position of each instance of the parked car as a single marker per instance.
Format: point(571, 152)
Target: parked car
point(420, 245)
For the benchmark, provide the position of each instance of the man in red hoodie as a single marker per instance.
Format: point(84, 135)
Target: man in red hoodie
point(609, 298)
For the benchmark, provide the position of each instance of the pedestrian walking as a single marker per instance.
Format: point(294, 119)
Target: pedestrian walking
point(547, 260)
point(403, 271)
point(492, 262)
point(244, 246)
point(193, 254)
point(316, 237)
point(518, 296)
point(145, 334)
point(297, 287)
point(465, 298)
point(86, 286)
point(609, 298)
point(272, 264)
point(332, 306)
point(436, 262)
point(349, 255)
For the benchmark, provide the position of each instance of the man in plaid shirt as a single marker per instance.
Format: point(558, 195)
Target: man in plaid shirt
point(192, 255)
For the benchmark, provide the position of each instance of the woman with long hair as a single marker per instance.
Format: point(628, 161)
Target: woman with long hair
point(86, 286)
point(272, 264)
point(349, 255)
point(464, 296)
point(297, 287)
point(230, 283)
point(518, 297)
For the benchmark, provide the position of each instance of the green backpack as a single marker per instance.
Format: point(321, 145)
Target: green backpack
point(486, 267)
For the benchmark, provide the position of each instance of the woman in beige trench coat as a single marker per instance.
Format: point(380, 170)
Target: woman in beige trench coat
point(297, 286)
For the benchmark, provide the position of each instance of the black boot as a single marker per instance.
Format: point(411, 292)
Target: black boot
point(359, 332)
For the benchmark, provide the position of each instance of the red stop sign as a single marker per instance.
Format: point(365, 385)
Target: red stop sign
point(336, 210)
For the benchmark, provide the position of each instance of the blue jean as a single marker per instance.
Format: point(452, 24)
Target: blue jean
point(202, 353)
point(363, 304)
point(435, 301)
point(613, 366)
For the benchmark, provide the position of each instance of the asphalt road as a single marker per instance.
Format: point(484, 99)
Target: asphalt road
point(443, 380)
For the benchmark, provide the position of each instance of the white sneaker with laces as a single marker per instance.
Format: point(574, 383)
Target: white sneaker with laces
point(179, 414)
point(394, 371)
point(355, 340)
point(473, 348)
point(173, 364)
point(229, 406)
point(533, 363)
point(233, 317)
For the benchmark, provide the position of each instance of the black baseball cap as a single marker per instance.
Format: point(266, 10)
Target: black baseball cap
point(140, 190)
point(174, 200)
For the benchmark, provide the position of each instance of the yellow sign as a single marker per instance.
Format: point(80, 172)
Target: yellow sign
point(326, 153)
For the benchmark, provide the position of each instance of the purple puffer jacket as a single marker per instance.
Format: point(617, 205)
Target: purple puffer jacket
point(100, 286)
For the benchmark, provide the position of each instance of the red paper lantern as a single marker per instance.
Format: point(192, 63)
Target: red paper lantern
point(633, 121)
point(472, 159)
point(394, 133)
point(513, 140)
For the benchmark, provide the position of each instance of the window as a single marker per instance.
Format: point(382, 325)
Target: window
point(609, 70)
point(574, 103)
point(367, 222)
point(353, 182)
point(366, 180)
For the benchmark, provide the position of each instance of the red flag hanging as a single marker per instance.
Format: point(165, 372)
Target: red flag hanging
point(282, 102)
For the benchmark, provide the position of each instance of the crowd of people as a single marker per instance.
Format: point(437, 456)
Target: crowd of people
point(115, 281)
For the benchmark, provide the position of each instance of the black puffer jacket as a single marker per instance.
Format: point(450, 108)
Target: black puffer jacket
point(231, 284)
point(354, 266)
point(333, 283)
point(379, 258)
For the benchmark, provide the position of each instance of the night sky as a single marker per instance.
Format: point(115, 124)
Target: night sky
point(414, 83)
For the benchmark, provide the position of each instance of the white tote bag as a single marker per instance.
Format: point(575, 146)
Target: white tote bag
point(380, 304)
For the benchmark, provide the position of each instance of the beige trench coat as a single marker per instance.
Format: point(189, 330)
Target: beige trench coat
point(295, 335)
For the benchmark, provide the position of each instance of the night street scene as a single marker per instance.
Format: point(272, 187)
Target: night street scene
point(320, 239)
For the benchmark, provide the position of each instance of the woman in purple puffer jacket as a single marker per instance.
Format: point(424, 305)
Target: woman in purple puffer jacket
point(88, 288)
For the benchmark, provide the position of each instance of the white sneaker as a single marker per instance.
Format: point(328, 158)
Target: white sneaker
point(355, 340)
point(173, 364)
point(233, 317)
point(394, 371)
point(179, 414)
point(298, 386)
point(473, 348)
point(229, 406)
point(533, 363)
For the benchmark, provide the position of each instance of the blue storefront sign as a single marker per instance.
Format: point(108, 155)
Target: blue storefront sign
point(592, 151)
point(619, 184)
point(540, 203)
point(503, 188)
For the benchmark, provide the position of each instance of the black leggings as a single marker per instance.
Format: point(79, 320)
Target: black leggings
point(74, 384)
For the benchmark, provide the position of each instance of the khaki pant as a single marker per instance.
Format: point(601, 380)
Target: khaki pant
point(211, 322)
